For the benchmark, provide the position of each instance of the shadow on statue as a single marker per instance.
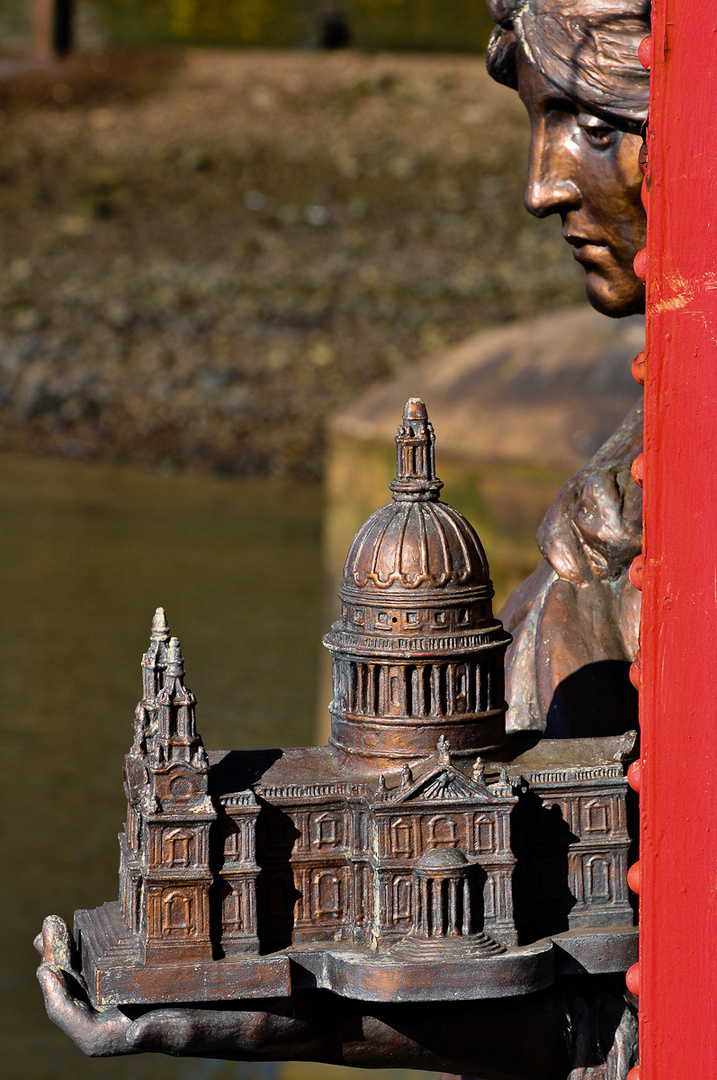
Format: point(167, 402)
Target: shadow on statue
point(597, 699)
point(541, 838)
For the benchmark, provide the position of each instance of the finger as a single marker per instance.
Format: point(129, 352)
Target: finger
point(60, 1004)
point(97, 1034)
point(54, 943)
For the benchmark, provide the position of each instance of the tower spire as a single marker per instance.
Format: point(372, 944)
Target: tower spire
point(154, 666)
point(154, 661)
point(416, 479)
point(175, 706)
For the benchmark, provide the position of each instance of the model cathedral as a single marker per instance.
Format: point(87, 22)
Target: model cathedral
point(419, 836)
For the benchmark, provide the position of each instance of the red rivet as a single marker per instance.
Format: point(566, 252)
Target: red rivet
point(637, 567)
point(632, 978)
point(634, 1073)
point(633, 877)
point(636, 673)
point(639, 264)
point(638, 368)
point(644, 52)
point(645, 193)
point(636, 469)
point(634, 775)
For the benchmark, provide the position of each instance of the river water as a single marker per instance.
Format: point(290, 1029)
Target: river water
point(86, 554)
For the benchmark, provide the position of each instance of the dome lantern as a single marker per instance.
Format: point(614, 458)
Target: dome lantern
point(416, 479)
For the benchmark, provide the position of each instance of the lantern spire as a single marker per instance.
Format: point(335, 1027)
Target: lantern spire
point(416, 479)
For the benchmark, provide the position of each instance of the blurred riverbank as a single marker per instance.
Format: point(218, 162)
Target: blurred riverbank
point(205, 257)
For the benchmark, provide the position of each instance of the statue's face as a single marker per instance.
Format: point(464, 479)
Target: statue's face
point(586, 171)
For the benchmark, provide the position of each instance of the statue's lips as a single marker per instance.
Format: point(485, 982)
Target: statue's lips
point(586, 250)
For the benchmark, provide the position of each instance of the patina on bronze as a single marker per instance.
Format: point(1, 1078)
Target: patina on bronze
point(415, 857)
point(580, 1026)
point(575, 620)
point(419, 857)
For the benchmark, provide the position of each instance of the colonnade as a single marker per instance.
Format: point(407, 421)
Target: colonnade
point(443, 907)
point(374, 688)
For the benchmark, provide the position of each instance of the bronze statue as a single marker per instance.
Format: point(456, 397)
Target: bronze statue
point(418, 858)
point(574, 621)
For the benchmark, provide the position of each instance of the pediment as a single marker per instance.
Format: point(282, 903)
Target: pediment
point(444, 783)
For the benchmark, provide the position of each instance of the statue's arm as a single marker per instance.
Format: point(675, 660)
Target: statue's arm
point(272, 1033)
point(518, 1038)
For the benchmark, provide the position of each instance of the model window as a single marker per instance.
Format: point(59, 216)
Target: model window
point(402, 897)
point(177, 913)
point(177, 847)
point(328, 830)
point(401, 837)
point(598, 884)
point(597, 817)
point(484, 834)
point(328, 894)
point(442, 830)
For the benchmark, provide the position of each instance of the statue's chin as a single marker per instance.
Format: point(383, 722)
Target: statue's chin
point(625, 297)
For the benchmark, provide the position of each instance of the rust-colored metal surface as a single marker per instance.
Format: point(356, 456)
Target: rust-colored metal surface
point(416, 857)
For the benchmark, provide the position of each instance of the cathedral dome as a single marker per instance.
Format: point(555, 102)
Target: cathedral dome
point(415, 544)
point(417, 653)
point(416, 554)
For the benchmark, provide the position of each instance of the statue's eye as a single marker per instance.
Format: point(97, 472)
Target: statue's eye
point(598, 133)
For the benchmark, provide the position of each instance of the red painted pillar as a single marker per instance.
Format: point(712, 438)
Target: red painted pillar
point(678, 788)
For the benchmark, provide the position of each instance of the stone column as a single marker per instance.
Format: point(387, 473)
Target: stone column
point(466, 906)
point(452, 908)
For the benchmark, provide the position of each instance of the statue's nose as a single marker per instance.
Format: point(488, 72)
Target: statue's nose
point(551, 186)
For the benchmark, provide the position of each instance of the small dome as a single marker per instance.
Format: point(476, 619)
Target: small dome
point(443, 858)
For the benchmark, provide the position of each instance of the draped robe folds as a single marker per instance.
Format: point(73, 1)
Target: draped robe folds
point(575, 620)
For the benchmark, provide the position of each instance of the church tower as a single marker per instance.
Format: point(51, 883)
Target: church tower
point(416, 654)
point(165, 873)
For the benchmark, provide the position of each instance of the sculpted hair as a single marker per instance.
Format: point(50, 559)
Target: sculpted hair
point(586, 48)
